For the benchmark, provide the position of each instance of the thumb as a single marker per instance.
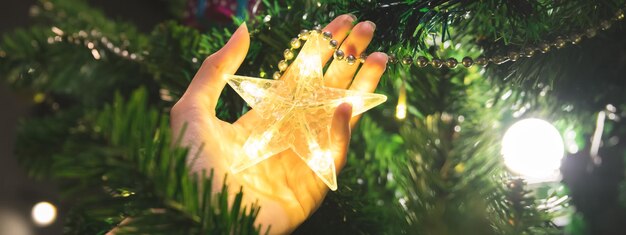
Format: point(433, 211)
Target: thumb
point(209, 81)
point(340, 134)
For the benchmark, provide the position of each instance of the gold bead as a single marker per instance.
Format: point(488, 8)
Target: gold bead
point(327, 35)
point(619, 15)
point(282, 65)
point(481, 61)
point(421, 61)
point(317, 29)
point(333, 44)
point(288, 53)
point(498, 59)
point(544, 47)
point(529, 51)
point(437, 63)
point(276, 75)
point(362, 57)
point(559, 42)
point(451, 63)
point(591, 32)
point(295, 43)
point(467, 61)
point(576, 38)
point(351, 59)
point(605, 24)
point(392, 59)
point(304, 35)
point(513, 55)
point(339, 55)
point(407, 60)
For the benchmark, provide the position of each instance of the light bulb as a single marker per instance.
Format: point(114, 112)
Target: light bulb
point(44, 213)
point(401, 111)
point(401, 107)
point(252, 89)
point(356, 102)
point(321, 160)
point(533, 148)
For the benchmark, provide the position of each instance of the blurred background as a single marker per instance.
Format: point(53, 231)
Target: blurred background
point(483, 103)
point(18, 193)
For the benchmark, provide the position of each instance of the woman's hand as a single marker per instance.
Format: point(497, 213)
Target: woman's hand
point(283, 185)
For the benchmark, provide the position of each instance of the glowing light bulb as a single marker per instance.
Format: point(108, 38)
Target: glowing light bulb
point(356, 102)
point(321, 160)
point(251, 88)
point(533, 148)
point(44, 213)
point(322, 163)
point(401, 107)
point(401, 111)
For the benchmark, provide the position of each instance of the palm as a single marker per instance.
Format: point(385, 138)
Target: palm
point(282, 180)
point(283, 185)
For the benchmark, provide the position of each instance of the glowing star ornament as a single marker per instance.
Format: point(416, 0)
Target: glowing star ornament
point(296, 112)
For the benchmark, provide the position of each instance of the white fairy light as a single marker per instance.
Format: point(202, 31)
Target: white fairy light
point(44, 213)
point(533, 148)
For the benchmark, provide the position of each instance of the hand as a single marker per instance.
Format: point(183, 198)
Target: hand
point(283, 185)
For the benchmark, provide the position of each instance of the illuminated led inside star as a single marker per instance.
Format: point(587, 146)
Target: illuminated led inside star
point(44, 213)
point(533, 148)
point(296, 113)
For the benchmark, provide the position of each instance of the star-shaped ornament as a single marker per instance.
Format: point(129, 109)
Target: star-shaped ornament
point(296, 112)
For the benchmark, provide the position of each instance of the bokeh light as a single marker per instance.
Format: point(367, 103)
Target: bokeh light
point(533, 148)
point(44, 213)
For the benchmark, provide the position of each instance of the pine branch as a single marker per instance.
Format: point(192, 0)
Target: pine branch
point(139, 175)
point(88, 147)
point(70, 61)
point(366, 201)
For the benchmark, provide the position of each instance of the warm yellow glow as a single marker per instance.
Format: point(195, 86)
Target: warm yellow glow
point(296, 113)
point(252, 89)
point(533, 148)
point(401, 107)
point(44, 213)
point(356, 102)
point(95, 54)
point(321, 160)
point(254, 151)
point(401, 111)
point(57, 31)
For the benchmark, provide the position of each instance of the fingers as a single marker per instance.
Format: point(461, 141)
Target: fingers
point(339, 28)
point(340, 134)
point(340, 73)
point(369, 75)
point(209, 82)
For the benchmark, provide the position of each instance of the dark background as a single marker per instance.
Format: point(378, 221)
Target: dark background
point(18, 193)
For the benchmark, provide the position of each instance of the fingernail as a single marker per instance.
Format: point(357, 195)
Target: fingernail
point(352, 16)
point(242, 27)
point(371, 24)
point(385, 56)
point(349, 111)
point(347, 107)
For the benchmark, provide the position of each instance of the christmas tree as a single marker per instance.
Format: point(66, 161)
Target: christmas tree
point(427, 161)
